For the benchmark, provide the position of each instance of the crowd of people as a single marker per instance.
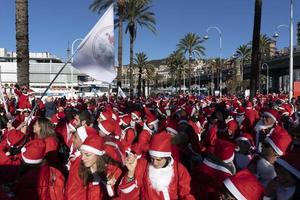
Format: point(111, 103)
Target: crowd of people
point(180, 147)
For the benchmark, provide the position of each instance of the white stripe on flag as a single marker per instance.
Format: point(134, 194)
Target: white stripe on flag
point(95, 55)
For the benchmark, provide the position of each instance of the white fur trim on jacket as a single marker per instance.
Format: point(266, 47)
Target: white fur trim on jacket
point(231, 187)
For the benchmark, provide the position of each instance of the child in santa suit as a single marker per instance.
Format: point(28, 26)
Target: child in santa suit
point(23, 96)
point(158, 178)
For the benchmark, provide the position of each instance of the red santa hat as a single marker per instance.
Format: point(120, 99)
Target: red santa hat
point(136, 115)
point(249, 105)
point(279, 140)
point(273, 114)
point(86, 131)
point(151, 119)
point(286, 109)
point(291, 163)
point(160, 145)
point(172, 127)
point(244, 186)
point(224, 150)
point(232, 125)
point(33, 152)
point(107, 126)
point(94, 144)
point(134, 149)
point(240, 110)
point(248, 138)
point(126, 119)
point(15, 138)
point(107, 114)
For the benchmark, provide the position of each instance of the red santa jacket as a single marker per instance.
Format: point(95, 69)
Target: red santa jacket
point(9, 165)
point(127, 137)
point(144, 140)
point(252, 116)
point(23, 99)
point(141, 187)
point(34, 184)
point(207, 180)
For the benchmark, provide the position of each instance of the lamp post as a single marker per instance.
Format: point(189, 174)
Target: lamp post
point(199, 73)
point(262, 66)
point(220, 55)
point(72, 70)
point(291, 29)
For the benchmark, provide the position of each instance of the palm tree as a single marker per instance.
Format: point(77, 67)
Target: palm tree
point(190, 45)
point(101, 5)
point(22, 42)
point(255, 49)
point(175, 62)
point(243, 52)
point(149, 75)
point(141, 61)
point(136, 13)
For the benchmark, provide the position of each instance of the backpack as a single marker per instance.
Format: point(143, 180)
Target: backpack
point(56, 184)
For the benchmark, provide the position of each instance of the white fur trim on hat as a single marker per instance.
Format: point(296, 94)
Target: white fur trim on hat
point(171, 130)
point(82, 133)
point(289, 167)
point(159, 154)
point(92, 150)
point(229, 159)
point(154, 122)
point(29, 161)
point(231, 187)
point(276, 149)
point(135, 116)
point(103, 129)
point(270, 115)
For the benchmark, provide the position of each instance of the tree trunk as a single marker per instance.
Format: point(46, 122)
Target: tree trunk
point(131, 65)
point(148, 88)
point(254, 81)
point(189, 73)
point(140, 81)
point(22, 42)
point(144, 86)
point(120, 42)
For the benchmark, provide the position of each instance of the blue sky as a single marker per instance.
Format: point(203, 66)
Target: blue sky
point(55, 22)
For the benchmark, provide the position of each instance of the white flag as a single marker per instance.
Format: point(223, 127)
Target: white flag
point(95, 55)
point(121, 93)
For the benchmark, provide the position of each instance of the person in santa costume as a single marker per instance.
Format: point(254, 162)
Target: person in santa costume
point(287, 183)
point(251, 114)
point(127, 132)
point(43, 129)
point(97, 173)
point(150, 128)
point(242, 186)
point(113, 146)
point(158, 178)
point(33, 179)
point(267, 126)
point(273, 146)
point(244, 151)
point(215, 168)
point(10, 155)
point(79, 137)
point(22, 94)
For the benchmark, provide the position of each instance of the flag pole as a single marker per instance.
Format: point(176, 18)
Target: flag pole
point(44, 93)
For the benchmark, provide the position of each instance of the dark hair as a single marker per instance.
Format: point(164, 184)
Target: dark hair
point(85, 116)
point(86, 175)
point(47, 128)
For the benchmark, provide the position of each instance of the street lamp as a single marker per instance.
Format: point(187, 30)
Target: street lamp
point(262, 67)
point(199, 73)
point(72, 69)
point(291, 68)
point(220, 55)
